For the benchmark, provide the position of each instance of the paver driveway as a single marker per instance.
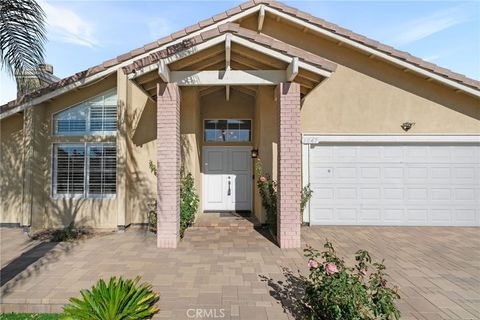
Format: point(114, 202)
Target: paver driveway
point(234, 273)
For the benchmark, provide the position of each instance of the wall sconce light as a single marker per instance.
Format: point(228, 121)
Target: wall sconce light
point(407, 126)
point(254, 153)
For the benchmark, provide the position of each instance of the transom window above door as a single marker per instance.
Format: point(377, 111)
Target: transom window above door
point(228, 130)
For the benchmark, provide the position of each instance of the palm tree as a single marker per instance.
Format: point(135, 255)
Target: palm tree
point(22, 36)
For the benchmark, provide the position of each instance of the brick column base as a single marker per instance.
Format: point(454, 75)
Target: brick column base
point(168, 165)
point(289, 165)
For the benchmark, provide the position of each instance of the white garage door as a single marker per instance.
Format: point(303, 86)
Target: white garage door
point(380, 183)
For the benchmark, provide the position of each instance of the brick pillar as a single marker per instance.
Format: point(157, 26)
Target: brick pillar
point(168, 165)
point(289, 165)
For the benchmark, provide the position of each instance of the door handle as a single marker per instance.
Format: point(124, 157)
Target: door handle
point(229, 191)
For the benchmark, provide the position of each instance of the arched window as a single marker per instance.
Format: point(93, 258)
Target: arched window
point(95, 116)
point(83, 169)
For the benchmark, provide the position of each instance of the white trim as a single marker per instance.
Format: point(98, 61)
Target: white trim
point(306, 177)
point(228, 50)
point(116, 67)
point(164, 71)
point(227, 92)
point(278, 55)
point(292, 69)
point(438, 138)
point(231, 77)
point(261, 18)
point(375, 52)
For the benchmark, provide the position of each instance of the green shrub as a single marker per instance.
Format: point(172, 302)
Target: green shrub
point(306, 195)
point(30, 316)
point(68, 233)
point(119, 299)
point(334, 291)
point(267, 187)
point(189, 201)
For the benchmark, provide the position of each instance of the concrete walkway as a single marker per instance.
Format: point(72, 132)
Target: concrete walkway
point(238, 273)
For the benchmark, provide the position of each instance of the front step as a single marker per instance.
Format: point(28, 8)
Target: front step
point(225, 220)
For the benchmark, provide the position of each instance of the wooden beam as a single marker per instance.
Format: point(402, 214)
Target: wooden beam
point(209, 90)
point(261, 17)
point(232, 77)
point(204, 63)
point(192, 60)
point(246, 90)
point(227, 92)
point(257, 62)
point(163, 71)
point(153, 76)
point(228, 50)
point(292, 69)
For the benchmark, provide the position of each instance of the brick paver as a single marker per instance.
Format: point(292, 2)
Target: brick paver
point(235, 272)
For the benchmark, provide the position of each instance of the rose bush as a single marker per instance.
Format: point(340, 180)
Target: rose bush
point(334, 291)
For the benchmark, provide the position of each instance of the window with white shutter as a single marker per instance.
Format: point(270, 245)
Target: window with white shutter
point(102, 170)
point(97, 115)
point(86, 170)
point(69, 170)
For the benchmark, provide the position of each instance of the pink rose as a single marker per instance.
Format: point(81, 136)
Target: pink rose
point(262, 179)
point(331, 268)
point(313, 264)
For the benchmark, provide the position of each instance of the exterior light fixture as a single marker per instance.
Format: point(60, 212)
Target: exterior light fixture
point(407, 126)
point(254, 153)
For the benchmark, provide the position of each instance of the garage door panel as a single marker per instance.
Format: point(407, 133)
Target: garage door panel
point(382, 184)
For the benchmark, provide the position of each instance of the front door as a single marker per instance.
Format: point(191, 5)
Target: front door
point(227, 182)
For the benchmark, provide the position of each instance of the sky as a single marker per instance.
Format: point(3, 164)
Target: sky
point(82, 34)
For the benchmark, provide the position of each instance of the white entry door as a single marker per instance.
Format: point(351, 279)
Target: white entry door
point(227, 179)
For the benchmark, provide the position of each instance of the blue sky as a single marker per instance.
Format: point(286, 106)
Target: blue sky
point(85, 33)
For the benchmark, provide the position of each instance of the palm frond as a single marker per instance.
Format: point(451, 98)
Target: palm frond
point(22, 36)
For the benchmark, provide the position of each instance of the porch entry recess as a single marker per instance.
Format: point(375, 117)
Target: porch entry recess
point(227, 179)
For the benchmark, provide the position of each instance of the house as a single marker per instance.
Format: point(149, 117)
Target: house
point(382, 137)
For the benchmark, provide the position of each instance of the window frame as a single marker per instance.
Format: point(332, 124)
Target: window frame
point(86, 182)
point(89, 132)
point(233, 142)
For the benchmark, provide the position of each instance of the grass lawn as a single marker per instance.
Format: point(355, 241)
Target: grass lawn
point(29, 316)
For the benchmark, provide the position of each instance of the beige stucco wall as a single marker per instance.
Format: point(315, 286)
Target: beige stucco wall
point(11, 169)
point(266, 139)
point(191, 135)
point(371, 96)
point(141, 149)
point(48, 211)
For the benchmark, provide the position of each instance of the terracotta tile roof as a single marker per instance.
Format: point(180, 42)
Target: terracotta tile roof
point(448, 74)
point(239, 31)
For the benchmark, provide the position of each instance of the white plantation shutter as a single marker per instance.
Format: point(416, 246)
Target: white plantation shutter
point(97, 115)
point(102, 170)
point(69, 170)
point(85, 170)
